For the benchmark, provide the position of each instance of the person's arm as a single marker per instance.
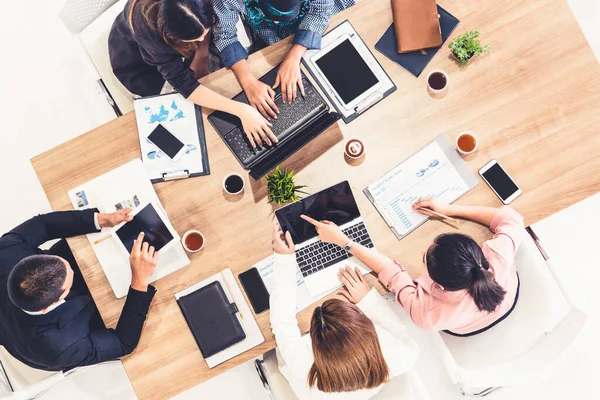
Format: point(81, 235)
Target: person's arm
point(107, 344)
point(63, 224)
point(412, 298)
point(314, 23)
point(480, 214)
point(509, 232)
point(283, 306)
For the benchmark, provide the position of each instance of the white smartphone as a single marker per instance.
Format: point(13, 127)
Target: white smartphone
point(500, 182)
point(167, 142)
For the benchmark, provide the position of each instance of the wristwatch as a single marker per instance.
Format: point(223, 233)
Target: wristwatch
point(348, 245)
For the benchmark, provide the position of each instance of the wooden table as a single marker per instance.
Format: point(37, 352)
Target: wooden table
point(534, 102)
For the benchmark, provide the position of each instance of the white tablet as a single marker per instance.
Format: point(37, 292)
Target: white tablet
point(347, 71)
point(147, 218)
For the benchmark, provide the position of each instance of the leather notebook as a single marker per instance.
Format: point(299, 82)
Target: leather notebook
point(417, 24)
point(415, 62)
point(211, 318)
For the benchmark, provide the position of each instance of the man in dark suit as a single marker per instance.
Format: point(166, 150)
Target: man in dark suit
point(48, 319)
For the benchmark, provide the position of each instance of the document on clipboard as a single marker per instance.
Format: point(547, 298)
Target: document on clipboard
point(183, 119)
point(436, 170)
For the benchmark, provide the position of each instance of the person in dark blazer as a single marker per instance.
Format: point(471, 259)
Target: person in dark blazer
point(48, 319)
point(153, 41)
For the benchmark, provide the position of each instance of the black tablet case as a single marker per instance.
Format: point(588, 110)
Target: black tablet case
point(415, 62)
point(201, 141)
point(352, 117)
point(211, 319)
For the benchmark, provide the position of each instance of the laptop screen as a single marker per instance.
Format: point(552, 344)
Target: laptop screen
point(335, 204)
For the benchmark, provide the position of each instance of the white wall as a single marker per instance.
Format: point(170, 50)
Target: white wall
point(48, 96)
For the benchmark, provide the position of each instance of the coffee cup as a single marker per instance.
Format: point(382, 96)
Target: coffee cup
point(193, 241)
point(354, 148)
point(437, 83)
point(467, 143)
point(233, 183)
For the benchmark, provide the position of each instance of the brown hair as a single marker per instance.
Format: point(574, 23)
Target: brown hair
point(175, 21)
point(345, 348)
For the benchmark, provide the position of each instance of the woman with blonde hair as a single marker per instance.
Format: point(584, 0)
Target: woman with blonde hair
point(356, 342)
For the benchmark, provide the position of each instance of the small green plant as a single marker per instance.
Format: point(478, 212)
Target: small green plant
point(281, 186)
point(466, 46)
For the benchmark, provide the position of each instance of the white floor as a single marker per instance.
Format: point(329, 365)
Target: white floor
point(49, 95)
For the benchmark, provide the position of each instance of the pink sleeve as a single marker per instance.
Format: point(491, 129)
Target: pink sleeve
point(507, 225)
point(408, 293)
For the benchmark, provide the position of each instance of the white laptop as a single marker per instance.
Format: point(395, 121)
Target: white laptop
point(320, 262)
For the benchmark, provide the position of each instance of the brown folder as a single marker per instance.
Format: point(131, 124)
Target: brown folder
point(417, 24)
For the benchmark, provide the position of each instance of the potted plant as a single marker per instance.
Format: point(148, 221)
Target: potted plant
point(466, 46)
point(281, 186)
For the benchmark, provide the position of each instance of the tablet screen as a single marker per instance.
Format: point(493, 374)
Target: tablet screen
point(347, 71)
point(335, 204)
point(148, 221)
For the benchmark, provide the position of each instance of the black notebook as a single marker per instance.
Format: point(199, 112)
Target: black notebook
point(211, 319)
point(415, 62)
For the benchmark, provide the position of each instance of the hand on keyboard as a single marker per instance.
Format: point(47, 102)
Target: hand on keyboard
point(258, 129)
point(260, 96)
point(355, 287)
point(289, 75)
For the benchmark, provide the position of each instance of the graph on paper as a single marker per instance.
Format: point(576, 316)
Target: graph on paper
point(427, 173)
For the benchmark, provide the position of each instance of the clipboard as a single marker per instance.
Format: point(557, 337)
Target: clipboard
point(184, 120)
point(385, 87)
point(457, 176)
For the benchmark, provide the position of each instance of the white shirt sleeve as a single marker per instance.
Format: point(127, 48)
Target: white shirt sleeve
point(399, 349)
point(96, 222)
point(296, 353)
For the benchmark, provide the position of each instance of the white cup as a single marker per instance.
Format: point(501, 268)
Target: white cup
point(185, 235)
point(238, 175)
point(438, 93)
point(463, 152)
point(362, 144)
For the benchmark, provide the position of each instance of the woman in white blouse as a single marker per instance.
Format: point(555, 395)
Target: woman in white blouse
point(354, 346)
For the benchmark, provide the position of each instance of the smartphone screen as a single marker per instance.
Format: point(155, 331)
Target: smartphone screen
point(500, 181)
point(255, 289)
point(164, 140)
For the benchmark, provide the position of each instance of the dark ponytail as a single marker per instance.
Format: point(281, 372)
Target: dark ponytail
point(456, 262)
point(175, 21)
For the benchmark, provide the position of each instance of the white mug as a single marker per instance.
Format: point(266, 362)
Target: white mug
point(463, 152)
point(234, 174)
point(438, 93)
point(185, 235)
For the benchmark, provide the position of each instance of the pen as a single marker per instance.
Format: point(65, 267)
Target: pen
point(232, 298)
point(442, 216)
point(102, 239)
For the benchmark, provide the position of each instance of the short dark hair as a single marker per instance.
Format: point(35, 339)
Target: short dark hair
point(456, 262)
point(36, 282)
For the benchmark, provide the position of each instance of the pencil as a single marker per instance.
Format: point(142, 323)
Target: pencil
point(102, 239)
point(231, 293)
point(443, 216)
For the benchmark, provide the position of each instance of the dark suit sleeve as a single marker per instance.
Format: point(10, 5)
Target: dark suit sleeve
point(108, 344)
point(55, 225)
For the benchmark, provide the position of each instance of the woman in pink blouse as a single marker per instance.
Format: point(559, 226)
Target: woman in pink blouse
point(464, 289)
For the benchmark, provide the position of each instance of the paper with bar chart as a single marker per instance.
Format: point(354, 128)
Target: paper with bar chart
point(427, 173)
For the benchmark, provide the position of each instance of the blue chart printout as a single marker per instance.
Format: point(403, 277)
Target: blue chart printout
point(427, 173)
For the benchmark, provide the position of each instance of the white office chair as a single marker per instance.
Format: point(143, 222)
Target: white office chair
point(94, 39)
point(20, 380)
point(536, 333)
point(404, 387)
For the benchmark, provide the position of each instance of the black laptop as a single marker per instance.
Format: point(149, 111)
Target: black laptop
point(296, 124)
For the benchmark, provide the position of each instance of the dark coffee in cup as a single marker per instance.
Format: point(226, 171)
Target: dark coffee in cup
point(233, 184)
point(437, 81)
point(354, 148)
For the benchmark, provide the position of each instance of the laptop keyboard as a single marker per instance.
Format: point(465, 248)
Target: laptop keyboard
point(289, 115)
point(321, 255)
